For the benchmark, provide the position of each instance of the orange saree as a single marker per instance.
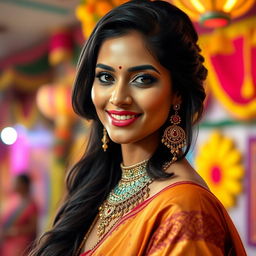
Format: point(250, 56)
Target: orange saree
point(182, 219)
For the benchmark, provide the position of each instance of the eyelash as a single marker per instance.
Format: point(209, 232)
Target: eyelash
point(99, 76)
point(151, 79)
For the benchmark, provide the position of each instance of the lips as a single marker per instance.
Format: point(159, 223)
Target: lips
point(122, 118)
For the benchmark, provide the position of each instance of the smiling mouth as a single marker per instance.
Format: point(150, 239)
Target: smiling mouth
point(122, 118)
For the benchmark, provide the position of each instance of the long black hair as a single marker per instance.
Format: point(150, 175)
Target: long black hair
point(171, 38)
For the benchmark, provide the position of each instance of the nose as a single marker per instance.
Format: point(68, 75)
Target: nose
point(120, 95)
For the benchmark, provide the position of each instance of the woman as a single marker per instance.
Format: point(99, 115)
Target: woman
point(139, 80)
point(18, 226)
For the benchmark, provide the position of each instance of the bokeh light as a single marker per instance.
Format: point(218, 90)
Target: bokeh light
point(9, 135)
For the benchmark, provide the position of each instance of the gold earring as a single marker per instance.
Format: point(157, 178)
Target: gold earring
point(174, 136)
point(105, 140)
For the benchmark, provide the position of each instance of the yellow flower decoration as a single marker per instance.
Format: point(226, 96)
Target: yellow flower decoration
point(90, 11)
point(220, 165)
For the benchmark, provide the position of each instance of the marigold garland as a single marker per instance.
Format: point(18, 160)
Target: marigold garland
point(220, 165)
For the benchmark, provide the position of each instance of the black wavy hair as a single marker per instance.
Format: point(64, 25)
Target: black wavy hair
point(171, 38)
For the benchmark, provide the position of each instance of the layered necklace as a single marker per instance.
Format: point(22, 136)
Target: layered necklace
point(131, 190)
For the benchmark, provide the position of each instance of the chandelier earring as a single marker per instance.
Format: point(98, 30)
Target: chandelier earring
point(105, 140)
point(174, 136)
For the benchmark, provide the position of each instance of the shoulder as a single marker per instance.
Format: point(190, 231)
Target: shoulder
point(190, 213)
point(186, 196)
point(185, 191)
point(185, 184)
point(188, 203)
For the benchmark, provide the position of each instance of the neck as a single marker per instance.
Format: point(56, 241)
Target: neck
point(134, 153)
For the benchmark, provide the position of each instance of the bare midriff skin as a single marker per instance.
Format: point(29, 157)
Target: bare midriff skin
point(182, 171)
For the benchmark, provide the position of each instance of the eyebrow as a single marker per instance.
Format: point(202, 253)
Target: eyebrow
point(132, 69)
point(103, 66)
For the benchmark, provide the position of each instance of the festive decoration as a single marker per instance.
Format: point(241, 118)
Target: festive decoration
point(219, 163)
point(252, 191)
point(26, 71)
point(21, 77)
point(90, 11)
point(234, 85)
point(214, 13)
point(54, 101)
point(28, 77)
point(60, 46)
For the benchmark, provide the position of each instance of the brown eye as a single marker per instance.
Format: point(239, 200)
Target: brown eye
point(105, 77)
point(144, 80)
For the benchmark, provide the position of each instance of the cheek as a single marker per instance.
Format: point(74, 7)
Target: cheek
point(93, 95)
point(158, 103)
point(99, 99)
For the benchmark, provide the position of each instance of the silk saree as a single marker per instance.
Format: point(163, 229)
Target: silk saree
point(182, 219)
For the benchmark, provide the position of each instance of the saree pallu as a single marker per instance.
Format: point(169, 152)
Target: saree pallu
point(182, 219)
point(19, 244)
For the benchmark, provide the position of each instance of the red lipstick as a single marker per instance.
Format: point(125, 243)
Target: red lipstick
point(122, 118)
point(123, 112)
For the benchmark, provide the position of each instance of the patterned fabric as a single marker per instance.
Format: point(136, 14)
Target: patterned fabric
point(183, 226)
point(182, 219)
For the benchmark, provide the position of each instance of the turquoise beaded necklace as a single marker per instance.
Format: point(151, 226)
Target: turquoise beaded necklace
point(128, 193)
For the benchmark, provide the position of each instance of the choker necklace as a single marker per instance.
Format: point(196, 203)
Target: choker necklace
point(131, 190)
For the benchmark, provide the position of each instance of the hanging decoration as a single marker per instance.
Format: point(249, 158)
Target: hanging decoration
point(24, 73)
point(27, 77)
point(233, 85)
point(61, 46)
point(214, 14)
point(219, 163)
point(54, 101)
point(90, 11)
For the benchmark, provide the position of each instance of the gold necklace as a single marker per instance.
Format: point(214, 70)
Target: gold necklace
point(129, 174)
point(131, 190)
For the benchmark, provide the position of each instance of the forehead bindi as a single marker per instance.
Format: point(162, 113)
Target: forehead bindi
point(120, 67)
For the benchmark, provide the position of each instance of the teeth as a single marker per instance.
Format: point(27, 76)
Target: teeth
point(123, 117)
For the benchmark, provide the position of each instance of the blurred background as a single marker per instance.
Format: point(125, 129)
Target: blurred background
point(40, 136)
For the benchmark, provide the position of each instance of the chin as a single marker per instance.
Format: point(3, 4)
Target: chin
point(121, 140)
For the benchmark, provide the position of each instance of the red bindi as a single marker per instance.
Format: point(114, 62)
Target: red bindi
point(120, 67)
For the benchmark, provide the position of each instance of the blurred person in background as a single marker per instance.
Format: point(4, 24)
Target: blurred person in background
point(18, 226)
